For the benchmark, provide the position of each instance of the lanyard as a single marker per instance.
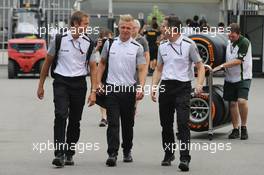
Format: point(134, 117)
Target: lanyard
point(176, 50)
point(231, 48)
point(78, 48)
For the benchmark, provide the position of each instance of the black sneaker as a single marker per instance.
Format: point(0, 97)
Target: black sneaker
point(168, 158)
point(58, 161)
point(69, 161)
point(103, 123)
point(111, 161)
point(184, 165)
point(234, 134)
point(127, 157)
point(244, 133)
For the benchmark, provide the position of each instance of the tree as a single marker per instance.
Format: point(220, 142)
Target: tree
point(155, 13)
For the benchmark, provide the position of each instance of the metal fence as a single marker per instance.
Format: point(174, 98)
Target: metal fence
point(56, 12)
point(5, 6)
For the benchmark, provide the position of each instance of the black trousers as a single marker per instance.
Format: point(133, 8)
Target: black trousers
point(175, 95)
point(120, 107)
point(69, 99)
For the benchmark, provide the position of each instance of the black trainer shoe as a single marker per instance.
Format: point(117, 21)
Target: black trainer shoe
point(111, 161)
point(244, 133)
point(168, 158)
point(58, 161)
point(69, 161)
point(184, 165)
point(103, 123)
point(127, 157)
point(234, 134)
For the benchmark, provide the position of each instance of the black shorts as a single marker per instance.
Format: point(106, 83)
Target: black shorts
point(153, 52)
point(234, 91)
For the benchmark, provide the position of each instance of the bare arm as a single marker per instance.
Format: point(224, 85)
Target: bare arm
point(232, 63)
point(147, 56)
point(45, 69)
point(93, 72)
point(142, 69)
point(157, 75)
point(100, 71)
point(43, 74)
point(200, 73)
point(229, 64)
point(155, 81)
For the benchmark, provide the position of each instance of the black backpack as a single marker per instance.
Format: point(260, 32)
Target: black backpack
point(58, 38)
point(100, 99)
point(107, 61)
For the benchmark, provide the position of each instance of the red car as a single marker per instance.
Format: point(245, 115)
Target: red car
point(25, 55)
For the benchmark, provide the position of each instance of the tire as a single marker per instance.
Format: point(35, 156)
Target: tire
point(220, 107)
point(208, 44)
point(199, 112)
point(227, 117)
point(12, 69)
point(199, 117)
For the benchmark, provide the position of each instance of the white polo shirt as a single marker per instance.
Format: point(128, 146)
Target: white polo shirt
point(72, 55)
point(178, 58)
point(123, 60)
point(241, 49)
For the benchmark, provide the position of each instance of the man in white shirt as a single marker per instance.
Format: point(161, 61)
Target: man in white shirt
point(69, 86)
point(124, 59)
point(175, 69)
point(238, 75)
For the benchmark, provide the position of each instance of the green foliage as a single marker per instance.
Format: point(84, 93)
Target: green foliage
point(157, 13)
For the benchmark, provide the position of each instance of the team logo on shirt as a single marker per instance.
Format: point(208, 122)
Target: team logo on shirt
point(62, 50)
point(240, 55)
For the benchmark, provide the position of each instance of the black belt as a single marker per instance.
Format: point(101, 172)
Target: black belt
point(77, 78)
point(122, 88)
point(173, 82)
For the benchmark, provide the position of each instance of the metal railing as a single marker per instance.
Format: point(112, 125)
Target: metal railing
point(57, 14)
point(4, 23)
point(209, 82)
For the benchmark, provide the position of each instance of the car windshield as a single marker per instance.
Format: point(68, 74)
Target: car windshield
point(27, 22)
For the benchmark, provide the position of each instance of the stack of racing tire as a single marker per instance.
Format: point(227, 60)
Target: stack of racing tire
point(199, 115)
point(212, 49)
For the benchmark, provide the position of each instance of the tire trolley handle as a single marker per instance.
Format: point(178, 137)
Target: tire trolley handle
point(209, 82)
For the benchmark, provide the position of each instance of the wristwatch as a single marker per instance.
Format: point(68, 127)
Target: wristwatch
point(222, 67)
